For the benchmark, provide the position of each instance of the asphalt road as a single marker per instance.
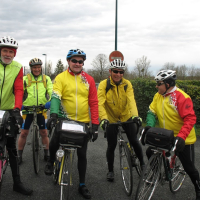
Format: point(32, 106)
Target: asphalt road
point(100, 188)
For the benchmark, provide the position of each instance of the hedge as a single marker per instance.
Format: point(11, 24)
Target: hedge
point(145, 89)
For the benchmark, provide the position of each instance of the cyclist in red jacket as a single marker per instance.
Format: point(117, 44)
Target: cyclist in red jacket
point(11, 94)
point(174, 110)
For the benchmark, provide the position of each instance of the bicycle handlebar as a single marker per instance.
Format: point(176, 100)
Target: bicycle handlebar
point(34, 108)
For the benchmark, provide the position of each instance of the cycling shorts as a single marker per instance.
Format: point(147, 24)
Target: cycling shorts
point(41, 120)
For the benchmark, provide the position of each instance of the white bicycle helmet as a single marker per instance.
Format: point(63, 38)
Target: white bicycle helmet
point(118, 63)
point(165, 74)
point(8, 41)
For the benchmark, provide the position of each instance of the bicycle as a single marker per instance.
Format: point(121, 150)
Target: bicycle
point(161, 167)
point(128, 158)
point(5, 132)
point(63, 166)
point(34, 129)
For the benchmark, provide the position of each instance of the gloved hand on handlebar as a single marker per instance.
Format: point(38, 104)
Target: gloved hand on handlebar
point(47, 105)
point(104, 123)
point(145, 129)
point(16, 114)
point(137, 120)
point(94, 132)
point(52, 121)
point(180, 145)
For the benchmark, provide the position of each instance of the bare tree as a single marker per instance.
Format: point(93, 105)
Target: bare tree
point(49, 68)
point(169, 65)
point(142, 67)
point(101, 67)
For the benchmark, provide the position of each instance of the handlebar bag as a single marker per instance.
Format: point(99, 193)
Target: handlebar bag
point(72, 132)
point(160, 137)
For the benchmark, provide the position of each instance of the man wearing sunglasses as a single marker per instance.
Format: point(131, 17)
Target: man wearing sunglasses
point(174, 110)
point(74, 92)
point(118, 104)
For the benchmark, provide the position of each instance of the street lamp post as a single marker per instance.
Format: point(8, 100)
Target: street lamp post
point(116, 26)
point(45, 62)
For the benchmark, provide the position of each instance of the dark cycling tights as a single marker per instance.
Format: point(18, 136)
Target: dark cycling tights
point(131, 131)
point(81, 153)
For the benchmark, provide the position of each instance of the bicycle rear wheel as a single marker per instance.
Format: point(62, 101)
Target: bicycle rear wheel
point(126, 168)
point(149, 178)
point(178, 176)
point(66, 179)
point(36, 148)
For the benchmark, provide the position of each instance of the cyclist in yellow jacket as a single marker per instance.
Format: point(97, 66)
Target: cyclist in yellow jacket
point(118, 104)
point(174, 110)
point(74, 97)
point(37, 91)
point(11, 94)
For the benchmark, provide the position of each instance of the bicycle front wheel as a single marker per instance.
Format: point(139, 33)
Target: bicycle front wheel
point(126, 167)
point(178, 176)
point(36, 148)
point(149, 178)
point(66, 178)
point(3, 163)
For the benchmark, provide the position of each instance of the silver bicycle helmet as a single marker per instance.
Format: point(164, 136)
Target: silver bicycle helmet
point(8, 41)
point(35, 61)
point(165, 75)
point(118, 63)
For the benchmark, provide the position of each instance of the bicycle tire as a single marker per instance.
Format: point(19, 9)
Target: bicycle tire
point(126, 167)
point(149, 178)
point(135, 162)
point(1, 172)
point(36, 148)
point(178, 176)
point(3, 164)
point(56, 170)
point(66, 178)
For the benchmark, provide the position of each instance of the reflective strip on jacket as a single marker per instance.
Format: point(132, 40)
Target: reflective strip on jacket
point(117, 104)
point(74, 96)
point(8, 76)
point(174, 112)
point(36, 93)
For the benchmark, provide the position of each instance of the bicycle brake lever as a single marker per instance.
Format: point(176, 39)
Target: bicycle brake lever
point(141, 133)
point(174, 148)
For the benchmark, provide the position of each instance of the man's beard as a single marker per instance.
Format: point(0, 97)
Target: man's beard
point(5, 61)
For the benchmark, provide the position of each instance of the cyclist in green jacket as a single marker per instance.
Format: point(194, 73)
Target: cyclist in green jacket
point(37, 91)
point(11, 94)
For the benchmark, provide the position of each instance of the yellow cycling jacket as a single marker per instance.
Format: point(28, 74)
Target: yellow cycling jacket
point(175, 112)
point(75, 97)
point(117, 104)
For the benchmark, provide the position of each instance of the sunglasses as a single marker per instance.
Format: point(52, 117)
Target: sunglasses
point(75, 61)
point(116, 72)
point(159, 83)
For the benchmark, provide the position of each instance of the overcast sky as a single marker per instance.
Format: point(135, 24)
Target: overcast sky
point(163, 30)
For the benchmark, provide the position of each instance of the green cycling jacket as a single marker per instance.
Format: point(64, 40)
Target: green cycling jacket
point(8, 75)
point(36, 93)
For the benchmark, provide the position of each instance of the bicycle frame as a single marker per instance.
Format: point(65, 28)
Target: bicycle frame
point(65, 157)
point(36, 136)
